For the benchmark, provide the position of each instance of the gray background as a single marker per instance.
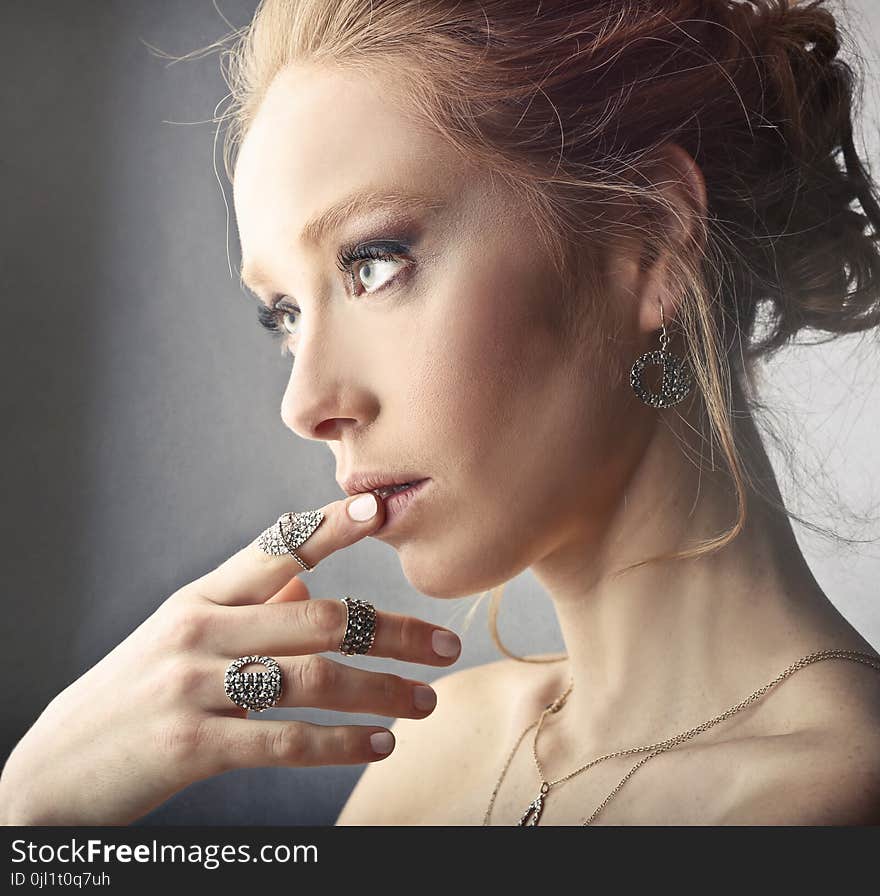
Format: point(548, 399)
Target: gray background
point(142, 439)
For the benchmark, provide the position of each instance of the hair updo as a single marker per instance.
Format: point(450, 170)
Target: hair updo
point(569, 100)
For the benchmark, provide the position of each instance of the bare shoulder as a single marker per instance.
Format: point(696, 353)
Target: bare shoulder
point(813, 779)
point(431, 754)
point(826, 772)
point(809, 755)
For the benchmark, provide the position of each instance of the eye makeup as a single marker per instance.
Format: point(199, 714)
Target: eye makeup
point(348, 259)
point(376, 250)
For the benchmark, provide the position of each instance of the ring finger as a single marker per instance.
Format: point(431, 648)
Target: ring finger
point(315, 681)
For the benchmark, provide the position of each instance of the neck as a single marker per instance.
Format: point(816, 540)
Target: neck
point(670, 645)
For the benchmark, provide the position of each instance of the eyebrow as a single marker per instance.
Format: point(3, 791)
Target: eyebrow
point(332, 218)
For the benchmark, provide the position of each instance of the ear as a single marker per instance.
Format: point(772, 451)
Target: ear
point(679, 179)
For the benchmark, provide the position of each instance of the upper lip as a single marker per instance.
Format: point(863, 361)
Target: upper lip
point(370, 481)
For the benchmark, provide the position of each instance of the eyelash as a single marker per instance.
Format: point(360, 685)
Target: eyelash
point(271, 317)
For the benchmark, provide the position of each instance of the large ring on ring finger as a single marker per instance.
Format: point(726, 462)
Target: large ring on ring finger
point(253, 690)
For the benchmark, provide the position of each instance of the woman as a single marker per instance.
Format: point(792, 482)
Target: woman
point(469, 224)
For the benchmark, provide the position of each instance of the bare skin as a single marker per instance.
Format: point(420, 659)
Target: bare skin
point(446, 360)
point(801, 734)
point(173, 722)
point(805, 754)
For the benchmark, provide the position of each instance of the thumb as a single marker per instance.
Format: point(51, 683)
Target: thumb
point(295, 589)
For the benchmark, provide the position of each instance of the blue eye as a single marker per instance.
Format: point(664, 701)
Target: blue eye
point(275, 318)
point(386, 251)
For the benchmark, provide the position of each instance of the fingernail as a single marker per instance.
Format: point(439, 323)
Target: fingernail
point(424, 697)
point(382, 741)
point(445, 643)
point(363, 507)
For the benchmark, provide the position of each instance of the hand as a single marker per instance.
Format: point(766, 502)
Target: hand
point(152, 717)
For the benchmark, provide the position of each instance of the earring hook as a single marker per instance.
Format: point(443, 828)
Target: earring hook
point(664, 338)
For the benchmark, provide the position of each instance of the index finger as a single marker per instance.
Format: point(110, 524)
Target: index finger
point(251, 576)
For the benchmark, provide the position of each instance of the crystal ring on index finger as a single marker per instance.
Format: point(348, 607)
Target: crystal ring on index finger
point(289, 532)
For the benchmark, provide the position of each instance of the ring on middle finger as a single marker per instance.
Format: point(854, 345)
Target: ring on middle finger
point(360, 626)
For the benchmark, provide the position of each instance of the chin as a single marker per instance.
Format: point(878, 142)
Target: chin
point(436, 579)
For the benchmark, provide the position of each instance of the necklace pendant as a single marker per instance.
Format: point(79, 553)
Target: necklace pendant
point(533, 813)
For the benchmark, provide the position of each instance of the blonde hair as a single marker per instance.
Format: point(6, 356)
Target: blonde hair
point(569, 102)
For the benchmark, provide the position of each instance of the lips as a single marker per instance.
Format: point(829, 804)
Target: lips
point(398, 504)
point(386, 490)
point(380, 482)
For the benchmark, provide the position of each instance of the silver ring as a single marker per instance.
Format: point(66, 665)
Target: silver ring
point(253, 690)
point(360, 626)
point(288, 532)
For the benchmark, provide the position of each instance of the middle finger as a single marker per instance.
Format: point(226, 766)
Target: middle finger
point(318, 624)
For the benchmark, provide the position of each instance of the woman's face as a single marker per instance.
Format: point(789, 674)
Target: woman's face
point(444, 359)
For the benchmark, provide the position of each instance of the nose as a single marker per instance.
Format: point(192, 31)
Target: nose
point(322, 396)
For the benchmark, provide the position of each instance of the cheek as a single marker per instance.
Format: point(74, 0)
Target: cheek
point(512, 398)
point(522, 434)
point(487, 332)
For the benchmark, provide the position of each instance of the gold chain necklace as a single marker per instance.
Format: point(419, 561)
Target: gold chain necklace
point(533, 812)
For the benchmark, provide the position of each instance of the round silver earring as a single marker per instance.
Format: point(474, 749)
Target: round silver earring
point(677, 379)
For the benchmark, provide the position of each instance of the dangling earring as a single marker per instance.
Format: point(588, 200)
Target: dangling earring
point(677, 375)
